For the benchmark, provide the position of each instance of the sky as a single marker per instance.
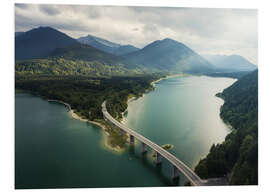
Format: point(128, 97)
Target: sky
point(205, 30)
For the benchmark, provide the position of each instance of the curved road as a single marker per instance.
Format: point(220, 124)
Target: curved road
point(189, 173)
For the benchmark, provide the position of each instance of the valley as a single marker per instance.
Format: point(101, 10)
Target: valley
point(83, 72)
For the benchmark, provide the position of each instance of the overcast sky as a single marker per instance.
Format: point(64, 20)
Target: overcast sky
point(207, 31)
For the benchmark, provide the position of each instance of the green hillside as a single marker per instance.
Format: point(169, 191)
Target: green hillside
point(237, 156)
point(77, 59)
point(85, 94)
point(62, 66)
point(86, 53)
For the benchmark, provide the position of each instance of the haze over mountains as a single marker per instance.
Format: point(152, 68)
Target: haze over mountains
point(107, 46)
point(230, 63)
point(170, 55)
point(165, 55)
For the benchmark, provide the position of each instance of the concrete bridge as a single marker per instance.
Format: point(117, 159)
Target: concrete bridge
point(177, 165)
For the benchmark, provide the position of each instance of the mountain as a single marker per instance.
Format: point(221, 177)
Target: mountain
point(125, 49)
point(64, 67)
point(169, 55)
point(237, 156)
point(231, 63)
point(40, 42)
point(107, 46)
point(18, 34)
point(76, 59)
point(85, 53)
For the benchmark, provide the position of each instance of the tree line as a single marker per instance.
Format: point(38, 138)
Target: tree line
point(237, 157)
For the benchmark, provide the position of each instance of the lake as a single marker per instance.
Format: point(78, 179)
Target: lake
point(52, 150)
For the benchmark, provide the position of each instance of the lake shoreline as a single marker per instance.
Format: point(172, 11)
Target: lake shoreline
point(153, 85)
point(75, 116)
point(167, 77)
point(100, 125)
point(124, 119)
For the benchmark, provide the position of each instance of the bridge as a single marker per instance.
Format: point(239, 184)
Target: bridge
point(178, 166)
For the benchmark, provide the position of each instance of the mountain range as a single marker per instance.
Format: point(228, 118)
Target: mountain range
point(165, 55)
point(107, 46)
point(230, 63)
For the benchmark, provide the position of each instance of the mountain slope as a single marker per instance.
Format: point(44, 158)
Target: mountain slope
point(40, 42)
point(107, 46)
point(124, 49)
point(231, 63)
point(86, 53)
point(237, 156)
point(18, 33)
point(169, 55)
point(77, 59)
point(65, 67)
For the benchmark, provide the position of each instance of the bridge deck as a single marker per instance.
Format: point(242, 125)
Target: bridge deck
point(190, 174)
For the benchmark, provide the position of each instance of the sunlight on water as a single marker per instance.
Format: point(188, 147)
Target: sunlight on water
point(182, 111)
point(53, 150)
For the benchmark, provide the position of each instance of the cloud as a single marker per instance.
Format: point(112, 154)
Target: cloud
point(151, 29)
point(50, 10)
point(135, 29)
point(21, 6)
point(205, 30)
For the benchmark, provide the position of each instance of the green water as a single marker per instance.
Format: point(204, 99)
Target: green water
point(52, 150)
point(182, 111)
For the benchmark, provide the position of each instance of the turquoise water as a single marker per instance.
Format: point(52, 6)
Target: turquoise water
point(182, 111)
point(52, 150)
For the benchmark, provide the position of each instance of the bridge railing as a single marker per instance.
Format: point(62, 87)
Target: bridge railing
point(190, 174)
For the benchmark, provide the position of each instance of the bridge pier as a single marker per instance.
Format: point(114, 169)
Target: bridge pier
point(144, 150)
point(131, 139)
point(175, 173)
point(113, 127)
point(122, 132)
point(192, 176)
point(159, 158)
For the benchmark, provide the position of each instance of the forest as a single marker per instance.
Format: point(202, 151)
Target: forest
point(229, 74)
point(85, 94)
point(237, 157)
point(59, 66)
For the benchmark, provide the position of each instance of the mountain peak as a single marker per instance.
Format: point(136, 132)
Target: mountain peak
point(44, 28)
point(107, 46)
point(169, 55)
point(166, 43)
point(40, 42)
point(168, 40)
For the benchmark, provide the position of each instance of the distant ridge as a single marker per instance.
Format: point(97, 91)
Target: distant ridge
point(107, 46)
point(165, 55)
point(230, 63)
point(85, 53)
